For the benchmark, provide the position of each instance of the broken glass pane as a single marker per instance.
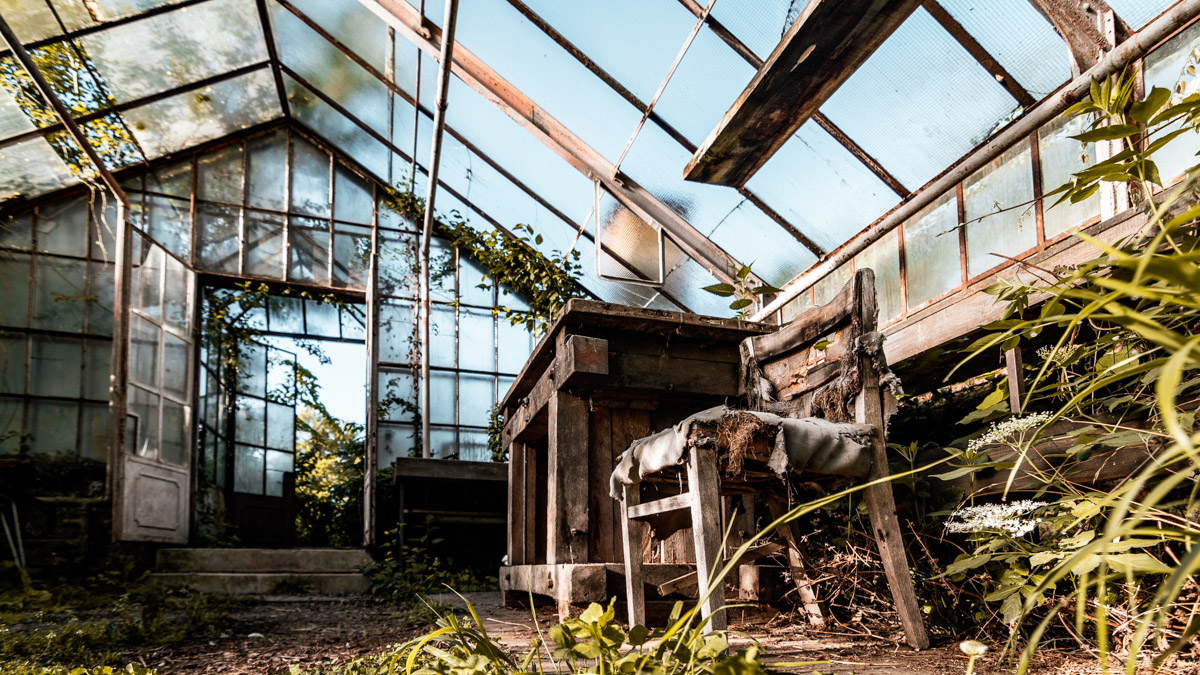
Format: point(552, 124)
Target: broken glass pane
point(142, 423)
point(174, 433)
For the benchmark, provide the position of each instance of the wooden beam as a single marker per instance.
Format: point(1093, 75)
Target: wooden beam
point(408, 22)
point(631, 546)
point(1078, 23)
point(817, 54)
point(672, 503)
point(580, 358)
point(567, 526)
point(703, 483)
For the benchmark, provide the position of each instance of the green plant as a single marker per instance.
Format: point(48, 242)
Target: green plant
point(495, 432)
point(1122, 368)
point(743, 291)
point(413, 568)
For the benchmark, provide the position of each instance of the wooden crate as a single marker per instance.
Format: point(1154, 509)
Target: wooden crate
point(602, 376)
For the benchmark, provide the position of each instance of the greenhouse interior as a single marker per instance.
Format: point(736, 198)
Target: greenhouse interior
point(669, 336)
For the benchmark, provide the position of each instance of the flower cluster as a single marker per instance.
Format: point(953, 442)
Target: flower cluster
point(992, 517)
point(1001, 431)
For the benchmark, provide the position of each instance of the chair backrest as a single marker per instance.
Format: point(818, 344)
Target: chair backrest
point(818, 364)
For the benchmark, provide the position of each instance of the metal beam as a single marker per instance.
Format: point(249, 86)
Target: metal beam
point(476, 74)
point(980, 54)
point(1077, 22)
point(1019, 131)
point(264, 17)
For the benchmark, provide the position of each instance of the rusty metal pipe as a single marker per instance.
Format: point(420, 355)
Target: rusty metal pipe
point(1125, 53)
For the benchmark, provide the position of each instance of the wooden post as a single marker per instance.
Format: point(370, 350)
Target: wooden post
point(631, 540)
point(881, 503)
point(516, 503)
point(706, 529)
point(1016, 378)
point(568, 480)
point(808, 597)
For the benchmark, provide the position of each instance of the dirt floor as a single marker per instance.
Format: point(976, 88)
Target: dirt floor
point(306, 632)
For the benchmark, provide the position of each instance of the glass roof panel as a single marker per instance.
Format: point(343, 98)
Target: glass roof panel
point(818, 186)
point(353, 25)
point(522, 155)
point(749, 235)
point(180, 47)
point(759, 24)
point(707, 81)
point(320, 63)
point(201, 115)
point(1138, 13)
point(13, 120)
point(336, 129)
point(34, 20)
point(919, 102)
point(634, 41)
point(1019, 38)
point(687, 283)
point(525, 56)
point(31, 168)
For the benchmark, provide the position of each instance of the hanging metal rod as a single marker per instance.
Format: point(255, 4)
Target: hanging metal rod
point(445, 59)
point(1076, 90)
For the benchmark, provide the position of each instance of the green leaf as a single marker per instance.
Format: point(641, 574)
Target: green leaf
point(966, 562)
point(994, 398)
point(1108, 133)
point(1043, 557)
point(723, 290)
point(743, 272)
point(741, 303)
point(592, 614)
point(1143, 110)
point(765, 290)
point(1010, 611)
point(638, 636)
point(562, 636)
point(1078, 541)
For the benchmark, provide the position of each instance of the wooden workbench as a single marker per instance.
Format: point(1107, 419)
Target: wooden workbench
point(602, 376)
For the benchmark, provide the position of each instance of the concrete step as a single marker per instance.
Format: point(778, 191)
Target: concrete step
point(260, 560)
point(267, 583)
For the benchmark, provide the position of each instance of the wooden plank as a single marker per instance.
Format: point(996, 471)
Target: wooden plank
point(631, 543)
point(1015, 369)
point(423, 467)
point(532, 487)
point(703, 483)
point(827, 43)
point(881, 503)
point(602, 542)
point(516, 504)
point(689, 583)
point(568, 584)
point(567, 519)
point(580, 359)
point(640, 372)
point(805, 329)
point(673, 503)
point(804, 587)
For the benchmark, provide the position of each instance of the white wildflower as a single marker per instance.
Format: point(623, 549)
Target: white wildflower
point(1002, 431)
point(1005, 518)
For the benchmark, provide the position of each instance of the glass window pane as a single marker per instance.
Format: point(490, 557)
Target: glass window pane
point(281, 428)
point(12, 412)
point(397, 397)
point(219, 177)
point(310, 178)
point(17, 232)
point(142, 425)
point(709, 78)
point(352, 201)
point(999, 212)
point(1019, 38)
point(441, 397)
point(884, 258)
point(100, 298)
point(441, 336)
point(176, 356)
point(147, 281)
point(1138, 13)
point(98, 357)
point(796, 307)
point(443, 263)
point(52, 427)
point(12, 363)
point(252, 369)
point(173, 179)
point(93, 434)
point(169, 224)
point(476, 398)
point(32, 168)
point(59, 300)
point(471, 278)
point(351, 256)
point(308, 248)
point(15, 270)
point(248, 470)
point(286, 314)
point(266, 169)
point(1062, 156)
point(1167, 67)
point(354, 322)
point(251, 420)
point(931, 251)
point(321, 319)
point(442, 444)
point(396, 326)
point(477, 349)
point(337, 129)
point(143, 351)
point(264, 244)
point(63, 228)
point(516, 344)
point(397, 264)
point(919, 102)
point(828, 287)
point(217, 238)
point(352, 24)
point(174, 433)
point(473, 446)
point(56, 366)
point(394, 441)
point(177, 296)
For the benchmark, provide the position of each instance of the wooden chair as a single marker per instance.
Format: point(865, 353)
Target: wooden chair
point(828, 363)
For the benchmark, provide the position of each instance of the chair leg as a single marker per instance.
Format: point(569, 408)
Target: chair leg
point(631, 539)
point(706, 530)
point(808, 598)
